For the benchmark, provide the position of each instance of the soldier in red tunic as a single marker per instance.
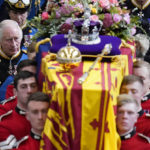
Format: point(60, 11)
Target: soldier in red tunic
point(142, 69)
point(37, 107)
point(127, 115)
point(133, 85)
point(14, 125)
point(11, 101)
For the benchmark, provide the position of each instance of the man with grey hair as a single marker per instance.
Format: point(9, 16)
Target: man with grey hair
point(10, 53)
point(18, 11)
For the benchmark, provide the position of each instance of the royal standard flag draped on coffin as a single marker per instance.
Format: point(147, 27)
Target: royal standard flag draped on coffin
point(82, 117)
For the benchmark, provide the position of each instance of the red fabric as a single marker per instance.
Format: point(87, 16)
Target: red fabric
point(143, 125)
point(14, 124)
point(29, 144)
point(8, 106)
point(146, 105)
point(135, 143)
point(9, 91)
point(76, 104)
point(128, 51)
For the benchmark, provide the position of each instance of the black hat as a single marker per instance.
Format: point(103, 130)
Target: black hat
point(18, 5)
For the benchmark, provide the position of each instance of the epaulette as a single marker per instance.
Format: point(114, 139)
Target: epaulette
point(20, 141)
point(8, 100)
point(6, 114)
point(145, 137)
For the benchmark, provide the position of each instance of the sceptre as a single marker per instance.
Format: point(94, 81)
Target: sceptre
point(105, 51)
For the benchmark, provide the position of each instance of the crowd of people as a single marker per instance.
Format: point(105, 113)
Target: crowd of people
point(133, 124)
point(23, 107)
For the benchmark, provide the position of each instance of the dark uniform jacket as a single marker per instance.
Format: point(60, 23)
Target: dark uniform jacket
point(8, 70)
point(28, 33)
point(143, 11)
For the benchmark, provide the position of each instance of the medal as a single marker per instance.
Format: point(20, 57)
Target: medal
point(140, 14)
point(27, 40)
point(11, 71)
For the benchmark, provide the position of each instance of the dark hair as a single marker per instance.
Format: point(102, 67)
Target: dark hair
point(25, 63)
point(131, 79)
point(23, 75)
point(39, 97)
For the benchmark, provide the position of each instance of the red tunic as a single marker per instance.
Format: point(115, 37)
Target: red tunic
point(9, 91)
point(143, 124)
point(14, 124)
point(8, 104)
point(146, 102)
point(135, 143)
point(32, 143)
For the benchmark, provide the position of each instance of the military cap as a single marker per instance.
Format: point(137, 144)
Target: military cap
point(18, 5)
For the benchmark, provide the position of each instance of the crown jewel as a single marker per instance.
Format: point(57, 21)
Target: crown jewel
point(86, 31)
point(69, 53)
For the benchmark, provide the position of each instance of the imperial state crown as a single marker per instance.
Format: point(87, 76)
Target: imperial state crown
point(85, 30)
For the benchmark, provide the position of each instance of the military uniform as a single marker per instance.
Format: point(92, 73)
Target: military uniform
point(37, 7)
point(142, 11)
point(8, 104)
point(131, 4)
point(19, 6)
point(8, 70)
point(31, 143)
point(134, 141)
point(9, 90)
point(13, 127)
point(28, 33)
point(3, 9)
point(1, 2)
point(146, 103)
point(143, 123)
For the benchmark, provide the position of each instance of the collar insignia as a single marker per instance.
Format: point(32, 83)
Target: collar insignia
point(142, 7)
